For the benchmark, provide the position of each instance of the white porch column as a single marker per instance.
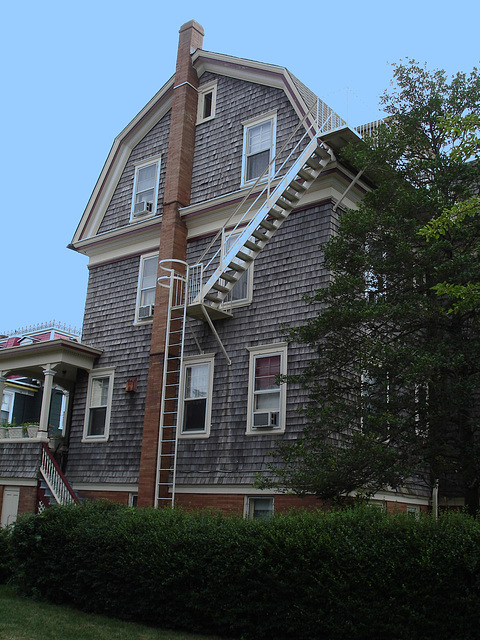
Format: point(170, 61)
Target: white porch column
point(48, 373)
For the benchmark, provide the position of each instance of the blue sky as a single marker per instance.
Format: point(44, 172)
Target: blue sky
point(73, 75)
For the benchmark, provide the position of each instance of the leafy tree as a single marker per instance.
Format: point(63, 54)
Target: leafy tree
point(394, 381)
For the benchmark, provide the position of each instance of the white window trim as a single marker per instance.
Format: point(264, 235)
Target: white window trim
point(267, 350)
point(142, 321)
point(211, 87)
point(232, 304)
point(154, 160)
point(248, 507)
point(11, 395)
point(206, 358)
point(272, 116)
point(98, 373)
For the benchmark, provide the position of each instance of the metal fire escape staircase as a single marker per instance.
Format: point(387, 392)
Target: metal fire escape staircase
point(250, 230)
point(201, 290)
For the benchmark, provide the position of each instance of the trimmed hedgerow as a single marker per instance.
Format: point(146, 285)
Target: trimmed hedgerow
point(353, 574)
point(6, 560)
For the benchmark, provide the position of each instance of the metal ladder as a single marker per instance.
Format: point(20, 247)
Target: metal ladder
point(176, 283)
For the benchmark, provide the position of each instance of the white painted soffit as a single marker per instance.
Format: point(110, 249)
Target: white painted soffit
point(113, 168)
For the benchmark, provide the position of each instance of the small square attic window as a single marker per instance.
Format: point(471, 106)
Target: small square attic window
point(207, 98)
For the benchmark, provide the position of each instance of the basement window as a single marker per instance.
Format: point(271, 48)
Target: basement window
point(207, 98)
point(259, 508)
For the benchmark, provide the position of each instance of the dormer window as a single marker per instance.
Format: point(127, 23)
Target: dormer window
point(145, 189)
point(207, 98)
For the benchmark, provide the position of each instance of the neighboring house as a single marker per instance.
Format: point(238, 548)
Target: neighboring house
point(222, 189)
point(38, 369)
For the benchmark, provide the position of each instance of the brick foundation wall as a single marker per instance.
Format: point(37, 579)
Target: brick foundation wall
point(27, 500)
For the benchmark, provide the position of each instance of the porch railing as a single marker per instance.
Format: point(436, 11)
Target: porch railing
point(59, 486)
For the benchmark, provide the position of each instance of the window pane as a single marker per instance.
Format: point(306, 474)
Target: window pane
point(149, 277)
point(207, 105)
point(99, 393)
point(259, 138)
point(266, 370)
point(196, 381)
point(194, 415)
point(265, 401)
point(144, 196)
point(146, 177)
point(261, 507)
point(96, 425)
point(256, 164)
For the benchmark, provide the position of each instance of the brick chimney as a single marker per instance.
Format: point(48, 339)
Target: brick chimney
point(173, 240)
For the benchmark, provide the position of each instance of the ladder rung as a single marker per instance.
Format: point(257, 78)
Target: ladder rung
point(278, 215)
point(212, 298)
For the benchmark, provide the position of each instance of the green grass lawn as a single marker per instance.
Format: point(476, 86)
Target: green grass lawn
point(25, 619)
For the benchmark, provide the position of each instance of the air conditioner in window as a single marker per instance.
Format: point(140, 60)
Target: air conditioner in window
point(266, 419)
point(145, 312)
point(140, 208)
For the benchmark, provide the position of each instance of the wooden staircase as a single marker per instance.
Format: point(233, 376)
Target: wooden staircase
point(255, 229)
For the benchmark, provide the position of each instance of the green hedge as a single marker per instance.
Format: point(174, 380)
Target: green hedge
point(355, 574)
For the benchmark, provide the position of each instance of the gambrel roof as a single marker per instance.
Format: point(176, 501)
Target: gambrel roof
point(300, 97)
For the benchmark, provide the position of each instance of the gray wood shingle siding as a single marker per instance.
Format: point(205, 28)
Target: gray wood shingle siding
point(20, 459)
point(217, 163)
point(288, 267)
point(153, 144)
point(108, 324)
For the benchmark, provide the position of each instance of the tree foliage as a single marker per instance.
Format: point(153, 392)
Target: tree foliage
point(393, 384)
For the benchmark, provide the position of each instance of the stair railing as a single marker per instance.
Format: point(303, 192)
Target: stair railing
point(55, 480)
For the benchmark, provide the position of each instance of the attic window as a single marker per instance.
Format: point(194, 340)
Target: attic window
point(207, 97)
point(145, 189)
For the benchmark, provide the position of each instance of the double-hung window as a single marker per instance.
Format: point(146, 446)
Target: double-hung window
point(99, 401)
point(197, 396)
point(147, 281)
point(267, 394)
point(145, 189)
point(258, 147)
